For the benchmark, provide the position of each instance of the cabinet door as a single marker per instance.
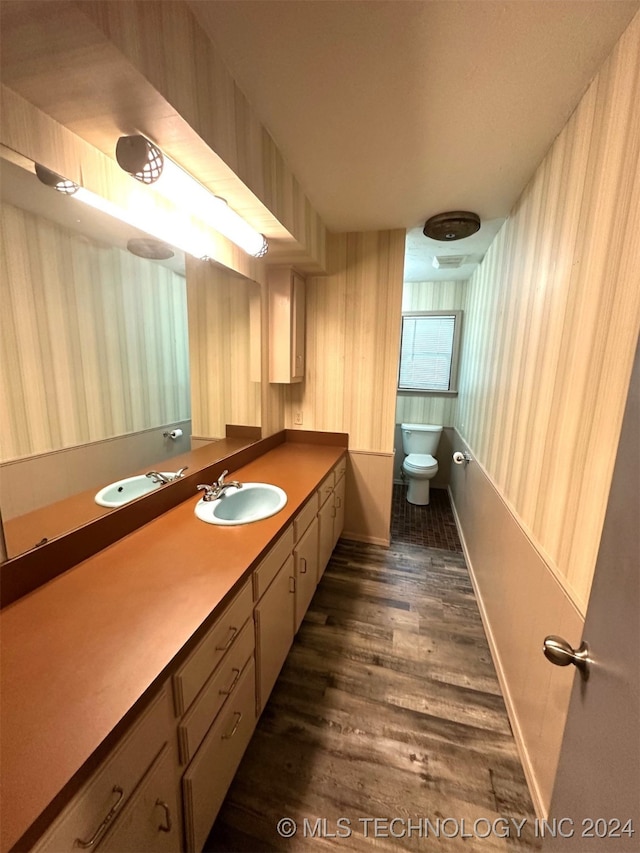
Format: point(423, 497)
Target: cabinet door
point(286, 325)
point(306, 565)
point(209, 775)
point(297, 327)
point(338, 502)
point(325, 535)
point(274, 617)
point(150, 821)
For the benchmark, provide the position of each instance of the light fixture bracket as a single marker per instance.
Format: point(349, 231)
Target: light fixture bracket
point(140, 158)
point(56, 181)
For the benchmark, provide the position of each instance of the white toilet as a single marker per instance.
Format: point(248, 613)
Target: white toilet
point(420, 442)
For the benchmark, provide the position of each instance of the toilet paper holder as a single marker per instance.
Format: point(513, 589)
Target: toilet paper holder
point(173, 433)
point(462, 458)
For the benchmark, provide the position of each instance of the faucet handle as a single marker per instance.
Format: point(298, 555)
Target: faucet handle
point(221, 478)
point(180, 472)
point(209, 491)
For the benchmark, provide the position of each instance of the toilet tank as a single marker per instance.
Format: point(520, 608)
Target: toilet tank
point(420, 438)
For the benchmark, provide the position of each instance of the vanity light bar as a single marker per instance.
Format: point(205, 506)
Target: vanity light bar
point(146, 162)
point(157, 224)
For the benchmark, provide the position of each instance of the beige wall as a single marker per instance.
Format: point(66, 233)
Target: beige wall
point(353, 333)
point(352, 340)
point(94, 340)
point(551, 325)
point(224, 347)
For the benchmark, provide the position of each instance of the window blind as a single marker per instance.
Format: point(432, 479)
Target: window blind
point(426, 352)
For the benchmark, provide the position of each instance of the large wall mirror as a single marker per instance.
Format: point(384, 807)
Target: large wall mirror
point(96, 368)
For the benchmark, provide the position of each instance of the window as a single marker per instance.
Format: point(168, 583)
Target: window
point(429, 351)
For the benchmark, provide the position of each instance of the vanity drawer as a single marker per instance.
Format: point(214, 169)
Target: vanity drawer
point(112, 784)
point(207, 779)
point(305, 517)
point(218, 689)
point(192, 675)
point(326, 487)
point(270, 566)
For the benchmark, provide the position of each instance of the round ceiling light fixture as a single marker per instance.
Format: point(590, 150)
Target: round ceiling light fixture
point(150, 248)
point(454, 225)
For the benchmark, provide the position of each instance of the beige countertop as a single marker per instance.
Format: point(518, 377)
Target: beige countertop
point(81, 651)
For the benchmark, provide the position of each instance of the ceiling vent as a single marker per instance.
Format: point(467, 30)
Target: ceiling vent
point(449, 262)
point(454, 225)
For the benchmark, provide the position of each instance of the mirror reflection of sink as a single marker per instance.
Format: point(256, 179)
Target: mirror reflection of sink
point(253, 502)
point(123, 491)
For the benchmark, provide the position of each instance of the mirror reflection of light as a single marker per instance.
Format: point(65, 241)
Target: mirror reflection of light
point(172, 228)
point(178, 186)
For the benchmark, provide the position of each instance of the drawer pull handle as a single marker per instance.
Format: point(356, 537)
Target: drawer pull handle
point(303, 566)
point(235, 727)
point(232, 637)
point(233, 683)
point(166, 826)
point(338, 501)
point(100, 831)
point(292, 584)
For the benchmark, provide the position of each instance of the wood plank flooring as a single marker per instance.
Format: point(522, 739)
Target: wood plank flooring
point(387, 707)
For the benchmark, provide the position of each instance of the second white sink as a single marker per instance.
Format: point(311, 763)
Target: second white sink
point(253, 502)
point(123, 491)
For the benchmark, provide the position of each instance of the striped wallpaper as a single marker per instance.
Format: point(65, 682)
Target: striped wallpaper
point(551, 324)
point(352, 341)
point(93, 340)
point(430, 296)
point(148, 66)
point(225, 349)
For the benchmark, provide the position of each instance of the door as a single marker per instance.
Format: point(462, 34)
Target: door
point(598, 779)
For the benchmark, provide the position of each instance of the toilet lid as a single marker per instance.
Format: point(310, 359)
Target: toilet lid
point(421, 460)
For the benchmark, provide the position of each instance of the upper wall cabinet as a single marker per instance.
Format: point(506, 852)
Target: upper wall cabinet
point(286, 325)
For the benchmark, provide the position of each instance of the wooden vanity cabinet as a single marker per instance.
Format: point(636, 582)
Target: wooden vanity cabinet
point(306, 570)
point(274, 616)
point(161, 787)
point(338, 502)
point(214, 696)
point(207, 779)
point(331, 496)
point(131, 801)
point(286, 325)
point(151, 819)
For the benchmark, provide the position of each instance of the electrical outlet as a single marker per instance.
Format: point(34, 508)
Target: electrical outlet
point(298, 418)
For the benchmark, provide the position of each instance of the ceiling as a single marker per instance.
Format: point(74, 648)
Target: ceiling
point(390, 111)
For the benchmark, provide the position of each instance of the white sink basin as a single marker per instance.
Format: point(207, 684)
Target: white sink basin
point(117, 494)
point(253, 502)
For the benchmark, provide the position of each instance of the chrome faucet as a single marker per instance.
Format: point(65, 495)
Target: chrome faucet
point(162, 479)
point(157, 477)
point(217, 490)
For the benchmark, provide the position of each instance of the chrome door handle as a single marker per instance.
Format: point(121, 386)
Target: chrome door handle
point(558, 651)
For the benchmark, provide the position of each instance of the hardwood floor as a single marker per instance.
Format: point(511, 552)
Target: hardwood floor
point(387, 707)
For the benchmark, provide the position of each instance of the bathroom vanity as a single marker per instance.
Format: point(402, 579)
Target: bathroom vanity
point(132, 683)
